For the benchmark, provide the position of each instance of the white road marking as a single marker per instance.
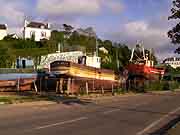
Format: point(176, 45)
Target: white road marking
point(116, 110)
point(111, 111)
point(61, 123)
point(157, 122)
point(141, 104)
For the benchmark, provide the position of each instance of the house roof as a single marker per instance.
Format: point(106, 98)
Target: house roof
point(38, 25)
point(14, 35)
point(171, 59)
point(3, 27)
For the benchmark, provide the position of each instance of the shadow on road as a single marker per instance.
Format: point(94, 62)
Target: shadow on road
point(52, 97)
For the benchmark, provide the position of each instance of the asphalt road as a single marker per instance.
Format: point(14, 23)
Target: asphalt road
point(133, 115)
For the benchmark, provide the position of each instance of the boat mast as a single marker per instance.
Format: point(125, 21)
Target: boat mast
point(132, 55)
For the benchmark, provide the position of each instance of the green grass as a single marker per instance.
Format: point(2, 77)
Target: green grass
point(21, 99)
point(5, 100)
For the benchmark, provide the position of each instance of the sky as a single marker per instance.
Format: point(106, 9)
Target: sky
point(125, 21)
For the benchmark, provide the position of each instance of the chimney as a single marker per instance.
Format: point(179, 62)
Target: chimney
point(6, 26)
point(26, 23)
point(48, 25)
point(174, 58)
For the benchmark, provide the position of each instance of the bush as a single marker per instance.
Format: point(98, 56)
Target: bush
point(120, 91)
point(161, 85)
point(174, 85)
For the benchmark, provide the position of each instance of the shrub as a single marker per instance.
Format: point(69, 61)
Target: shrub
point(161, 85)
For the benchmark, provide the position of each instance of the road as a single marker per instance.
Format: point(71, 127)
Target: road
point(130, 115)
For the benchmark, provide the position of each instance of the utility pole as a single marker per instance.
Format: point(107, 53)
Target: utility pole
point(59, 48)
point(97, 47)
point(117, 59)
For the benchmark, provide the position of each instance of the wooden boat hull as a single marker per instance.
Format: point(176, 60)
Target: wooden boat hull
point(25, 84)
point(77, 78)
point(83, 71)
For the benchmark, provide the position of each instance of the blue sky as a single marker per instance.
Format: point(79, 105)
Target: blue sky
point(125, 21)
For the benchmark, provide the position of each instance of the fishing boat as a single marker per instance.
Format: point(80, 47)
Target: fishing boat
point(143, 65)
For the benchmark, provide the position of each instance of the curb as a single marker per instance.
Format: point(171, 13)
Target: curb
point(162, 92)
point(166, 127)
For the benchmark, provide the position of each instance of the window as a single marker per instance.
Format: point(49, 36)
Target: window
point(43, 34)
point(42, 27)
point(32, 34)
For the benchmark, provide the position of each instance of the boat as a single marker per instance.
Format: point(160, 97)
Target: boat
point(149, 73)
point(143, 66)
point(17, 84)
point(81, 70)
point(84, 75)
point(76, 78)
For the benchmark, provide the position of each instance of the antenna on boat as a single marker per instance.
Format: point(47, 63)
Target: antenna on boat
point(139, 45)
point(132, 55)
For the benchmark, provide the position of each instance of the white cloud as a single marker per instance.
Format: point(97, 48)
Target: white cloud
point(115, 6)
point(76, 7)
point(141, 30)
point(11, 11)
point(151, 36)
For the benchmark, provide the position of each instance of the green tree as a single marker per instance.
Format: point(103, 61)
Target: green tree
point(174, 33)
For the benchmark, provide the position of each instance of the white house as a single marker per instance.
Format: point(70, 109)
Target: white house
point(36, 30)
point(3, 31)
point(104, 50)
point(173, 62)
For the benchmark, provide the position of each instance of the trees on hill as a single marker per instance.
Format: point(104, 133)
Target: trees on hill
point(116, 58)
point(174, 33)
point(10, 49)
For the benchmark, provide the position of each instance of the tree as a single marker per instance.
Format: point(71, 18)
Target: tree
point(174, 33)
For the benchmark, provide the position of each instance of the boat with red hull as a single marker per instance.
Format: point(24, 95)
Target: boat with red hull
point(142, 64)
point(149, 73)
